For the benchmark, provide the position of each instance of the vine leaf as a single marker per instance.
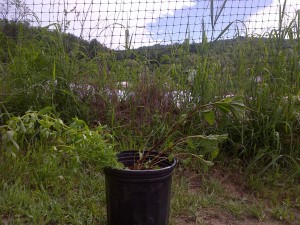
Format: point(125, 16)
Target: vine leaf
point(209, 116)
point(234, 105)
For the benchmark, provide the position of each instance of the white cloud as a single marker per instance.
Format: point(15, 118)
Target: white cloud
point(107, 20)
point(267, 18)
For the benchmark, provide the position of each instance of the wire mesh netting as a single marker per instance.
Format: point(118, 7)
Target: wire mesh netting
point(134, 23)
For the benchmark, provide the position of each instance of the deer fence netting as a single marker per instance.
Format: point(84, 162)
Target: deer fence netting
point(120, 24)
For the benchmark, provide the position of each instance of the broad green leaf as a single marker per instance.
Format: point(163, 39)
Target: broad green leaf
point(209, 116)
point(234, 105)
point(209, 147)
point(238, 110)
point(223, 106)
point(45, 110)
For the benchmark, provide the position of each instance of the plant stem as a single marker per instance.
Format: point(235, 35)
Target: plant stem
point(138, 165)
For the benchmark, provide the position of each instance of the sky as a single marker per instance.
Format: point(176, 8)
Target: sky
point(152, 22)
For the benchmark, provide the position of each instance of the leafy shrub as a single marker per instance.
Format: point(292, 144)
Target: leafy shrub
point(19, 134)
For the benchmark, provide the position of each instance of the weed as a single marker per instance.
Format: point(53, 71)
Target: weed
point(257, 210)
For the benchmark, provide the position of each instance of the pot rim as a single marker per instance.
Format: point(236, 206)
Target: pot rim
point(129, 157)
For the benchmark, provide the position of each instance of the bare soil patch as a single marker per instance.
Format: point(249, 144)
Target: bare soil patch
point(234, 188)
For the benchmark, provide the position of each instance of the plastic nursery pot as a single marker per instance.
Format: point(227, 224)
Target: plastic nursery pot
point(138, 197)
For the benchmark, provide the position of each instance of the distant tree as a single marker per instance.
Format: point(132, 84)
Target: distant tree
point(12, 28)
point(95, 47)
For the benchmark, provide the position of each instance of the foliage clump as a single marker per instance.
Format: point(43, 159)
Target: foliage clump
point(82, 144)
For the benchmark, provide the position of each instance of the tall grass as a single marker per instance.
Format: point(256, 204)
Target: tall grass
point(270, 81)
point(38, 73)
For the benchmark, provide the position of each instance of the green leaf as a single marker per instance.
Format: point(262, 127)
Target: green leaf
point(45, 110)
point(190, 144)
point(22, 127)
point(234, 105)
point(219, 138)
point(207, 162)
point(58, 124)
point(15, 145)
point(209, 116)
point(219, 12)
point(170, 144)
point(140, 155)
point(212, 13)
point(45, 123)
point(54, 71)
point(186, 161)
point(13, 154)
point(10, 134)
point(223, 31)
point(209, 146)
point(171, 157)
point(214, 154)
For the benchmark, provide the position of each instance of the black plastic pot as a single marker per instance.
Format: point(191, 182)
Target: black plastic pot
point(138, 197)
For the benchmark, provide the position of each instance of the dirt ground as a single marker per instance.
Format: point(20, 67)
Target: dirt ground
point(232, 183)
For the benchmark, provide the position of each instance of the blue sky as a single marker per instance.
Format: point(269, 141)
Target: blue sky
point(153, 21)
point(189, 20)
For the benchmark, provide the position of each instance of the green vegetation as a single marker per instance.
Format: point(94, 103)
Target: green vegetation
point(63, 104)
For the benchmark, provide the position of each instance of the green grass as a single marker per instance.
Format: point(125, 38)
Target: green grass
point(202, 199)
point(257, 211)
point(42, 189)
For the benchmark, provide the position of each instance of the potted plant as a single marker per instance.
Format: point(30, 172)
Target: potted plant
point(138, 183)
point(139, 193)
